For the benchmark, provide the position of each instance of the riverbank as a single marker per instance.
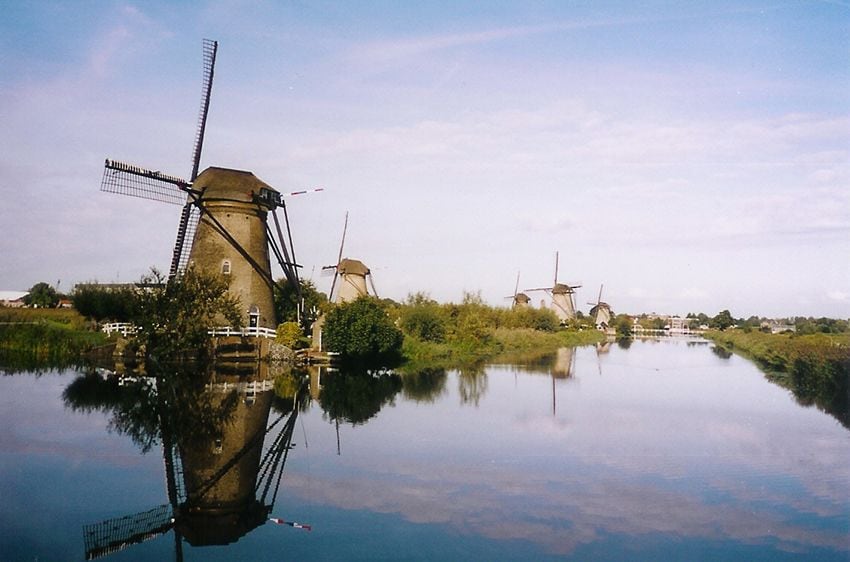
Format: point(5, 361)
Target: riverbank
point(816, 367)
point(501, 341)
point(30, 338)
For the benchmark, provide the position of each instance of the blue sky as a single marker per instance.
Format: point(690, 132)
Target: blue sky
point(690, 156)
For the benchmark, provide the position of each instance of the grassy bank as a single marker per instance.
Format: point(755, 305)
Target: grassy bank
point(816, 367)
point(38, 337)
point(501, 342)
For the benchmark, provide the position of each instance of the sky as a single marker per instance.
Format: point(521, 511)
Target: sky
point(689, 157)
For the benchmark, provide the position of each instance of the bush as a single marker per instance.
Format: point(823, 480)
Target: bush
point(424, 321)
point(289, 334)
point(104, 304)
point(362, 330)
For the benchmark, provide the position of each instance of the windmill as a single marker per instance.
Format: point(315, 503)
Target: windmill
point(351, 275)
point(219, 486)
point(519, 300)
point(562, 297)
point(601, 312)
point(563, 368)
point(223, 226)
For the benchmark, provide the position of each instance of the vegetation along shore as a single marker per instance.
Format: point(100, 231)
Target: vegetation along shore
point(815, 367)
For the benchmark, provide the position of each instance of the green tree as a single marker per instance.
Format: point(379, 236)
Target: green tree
point(42, 295)
point(723, 320)
point(173, 317)
point(623, 325)
point(422, 318)
point(99, 303)
point(315, 303)
point(361, 330)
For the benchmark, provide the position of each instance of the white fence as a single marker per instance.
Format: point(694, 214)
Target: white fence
point(123, 328)
point(256, 332)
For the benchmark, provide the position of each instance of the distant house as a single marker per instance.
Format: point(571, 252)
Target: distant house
point(65, 303)
point(13, 299)
point(678, 324)
point(116, 286)
point(777, 327)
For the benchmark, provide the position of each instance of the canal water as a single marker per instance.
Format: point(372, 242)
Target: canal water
point(654, 450)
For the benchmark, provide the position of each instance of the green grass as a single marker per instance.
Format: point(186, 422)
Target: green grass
point(816, 367)
point(502, 341)
point(38, 337)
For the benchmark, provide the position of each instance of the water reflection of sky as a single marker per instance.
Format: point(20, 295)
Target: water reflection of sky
point(660, 451)
point(662, 442)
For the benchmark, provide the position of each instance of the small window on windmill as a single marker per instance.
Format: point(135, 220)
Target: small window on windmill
point(217, 447)
point(253, 316)
point(225, 267)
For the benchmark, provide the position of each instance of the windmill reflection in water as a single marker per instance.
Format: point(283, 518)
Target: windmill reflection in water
point(220, 482)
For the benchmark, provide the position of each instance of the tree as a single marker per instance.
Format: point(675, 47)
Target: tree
point(624, 326)
point(173, 317)
point(421, 318)
point(100, 303)
point(286, 303)
point(289, 334)
point(361, 330)
point(723, 320)
point(42, 295)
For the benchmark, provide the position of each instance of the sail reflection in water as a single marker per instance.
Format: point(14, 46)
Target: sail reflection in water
point(221, 481)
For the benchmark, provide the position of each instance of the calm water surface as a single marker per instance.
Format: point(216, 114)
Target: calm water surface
point(661, 450)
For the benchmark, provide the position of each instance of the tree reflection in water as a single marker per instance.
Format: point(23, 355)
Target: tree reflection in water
point(357, 395)
point(425, 385)
point(472, 383)
point(221, 481)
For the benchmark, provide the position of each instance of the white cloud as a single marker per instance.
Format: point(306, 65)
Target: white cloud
point(840, 296)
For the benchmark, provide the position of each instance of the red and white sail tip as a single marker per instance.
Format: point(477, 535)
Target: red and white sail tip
point(291, 523)
point(302, 192)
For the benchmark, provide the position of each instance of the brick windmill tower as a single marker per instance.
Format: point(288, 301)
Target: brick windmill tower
point(224, 227)
point(562, 297)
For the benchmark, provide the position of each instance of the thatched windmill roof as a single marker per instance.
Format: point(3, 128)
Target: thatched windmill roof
point(352, 267)
point(229, 184)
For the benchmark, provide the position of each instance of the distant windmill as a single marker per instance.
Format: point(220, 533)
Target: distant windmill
point(562, 297)
point(601, 312)
point(519, 300)
point(350, 274)
point(224, 219)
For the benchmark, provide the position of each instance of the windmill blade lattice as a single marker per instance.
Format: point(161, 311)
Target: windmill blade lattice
point(127, 179)
point(186, 231)
point(191, 213)
point(210, 50)
point(113, 535)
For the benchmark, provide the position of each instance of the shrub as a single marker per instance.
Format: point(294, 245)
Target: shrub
point(289, 334)
point(362, 330)
point(424, 322)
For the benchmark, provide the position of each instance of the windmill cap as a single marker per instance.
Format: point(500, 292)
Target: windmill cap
point(560, 289)
point(352, 267)
point(226, 183)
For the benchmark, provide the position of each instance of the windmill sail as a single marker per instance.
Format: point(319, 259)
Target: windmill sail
point(191, 213)
point(113, 535)
point(339, 257)
point(185, 231)
point(210, 50)
point(127, 179)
